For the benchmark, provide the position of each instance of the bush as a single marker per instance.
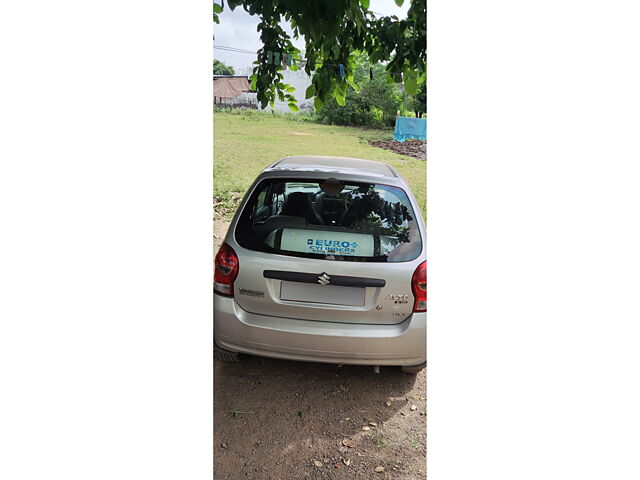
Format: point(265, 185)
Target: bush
point(374, 105)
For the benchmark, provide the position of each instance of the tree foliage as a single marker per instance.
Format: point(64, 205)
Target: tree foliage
point(220, 68)
point(374, 104)
point(334, 32)
point(420, 100)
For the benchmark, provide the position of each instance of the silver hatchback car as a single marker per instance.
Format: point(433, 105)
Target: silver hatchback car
point(324, 261)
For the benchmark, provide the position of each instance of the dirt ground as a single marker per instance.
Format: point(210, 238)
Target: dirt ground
point(277, 419)
point(412, 148)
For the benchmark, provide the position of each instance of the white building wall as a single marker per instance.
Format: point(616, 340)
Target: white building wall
point(297, 79)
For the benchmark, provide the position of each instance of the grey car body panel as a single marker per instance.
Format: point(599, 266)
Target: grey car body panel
point(241, 331)
point(397, 276)
point(258, 321)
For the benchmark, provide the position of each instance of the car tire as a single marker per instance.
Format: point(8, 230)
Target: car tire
point(224, 355)
point(413, 369)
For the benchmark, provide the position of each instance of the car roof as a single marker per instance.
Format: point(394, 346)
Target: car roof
point(345, 167)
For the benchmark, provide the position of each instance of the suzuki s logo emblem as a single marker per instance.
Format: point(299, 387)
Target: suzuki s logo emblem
point(324, 279)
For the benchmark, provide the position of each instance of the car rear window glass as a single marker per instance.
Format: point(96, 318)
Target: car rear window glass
point(330, 219)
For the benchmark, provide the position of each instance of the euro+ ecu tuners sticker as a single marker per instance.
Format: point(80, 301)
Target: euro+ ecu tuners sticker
point(326, 242)
point(331, 246)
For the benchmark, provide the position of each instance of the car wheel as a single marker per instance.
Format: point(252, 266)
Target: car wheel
point(413, 369)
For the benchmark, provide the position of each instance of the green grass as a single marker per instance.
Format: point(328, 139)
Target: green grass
point(381, 442)
point(245, 144)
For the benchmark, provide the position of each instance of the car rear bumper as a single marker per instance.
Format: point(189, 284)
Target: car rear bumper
point(346, 343)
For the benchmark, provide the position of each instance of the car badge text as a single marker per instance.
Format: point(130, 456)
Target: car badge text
point(397, 298)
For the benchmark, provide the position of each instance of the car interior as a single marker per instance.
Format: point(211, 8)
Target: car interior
point(298, 209)
point(283, 207)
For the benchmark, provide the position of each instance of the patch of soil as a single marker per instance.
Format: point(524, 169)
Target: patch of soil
point(411, 148)
point(226, 210)
point(276, 419)
point(219, 232)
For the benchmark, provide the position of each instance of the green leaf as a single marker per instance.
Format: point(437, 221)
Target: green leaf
point(317, 103)
point(311, 91)
point(293, 107)
point(410, 82)
point(399, 2)
point(365, 3)
point(254, 80)
point(217, 8)
point(340, 98)
point(290, 89)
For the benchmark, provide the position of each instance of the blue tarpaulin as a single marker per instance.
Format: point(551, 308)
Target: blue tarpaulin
point(410, 128)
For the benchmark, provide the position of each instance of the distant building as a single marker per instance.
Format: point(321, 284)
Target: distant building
point(297, 79)
point(229, 90)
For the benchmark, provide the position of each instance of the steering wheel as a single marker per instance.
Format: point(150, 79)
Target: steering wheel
point(348, 210)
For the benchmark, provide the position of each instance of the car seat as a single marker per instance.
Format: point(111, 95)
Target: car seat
point(298, 204)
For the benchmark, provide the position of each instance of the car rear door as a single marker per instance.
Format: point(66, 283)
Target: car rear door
point(328, 273)
point(324, 290)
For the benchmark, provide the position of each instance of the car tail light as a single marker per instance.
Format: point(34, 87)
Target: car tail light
point(226, 270)
point(419, 287)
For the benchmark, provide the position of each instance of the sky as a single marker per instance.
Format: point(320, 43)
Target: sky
point(238, 29)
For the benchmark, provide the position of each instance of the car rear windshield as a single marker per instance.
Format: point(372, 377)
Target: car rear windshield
point(330, 219)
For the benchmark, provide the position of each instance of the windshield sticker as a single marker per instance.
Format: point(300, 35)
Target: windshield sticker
point(327, 243)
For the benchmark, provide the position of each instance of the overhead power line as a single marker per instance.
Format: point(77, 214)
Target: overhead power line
point(241, 50)
point(233, 49)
